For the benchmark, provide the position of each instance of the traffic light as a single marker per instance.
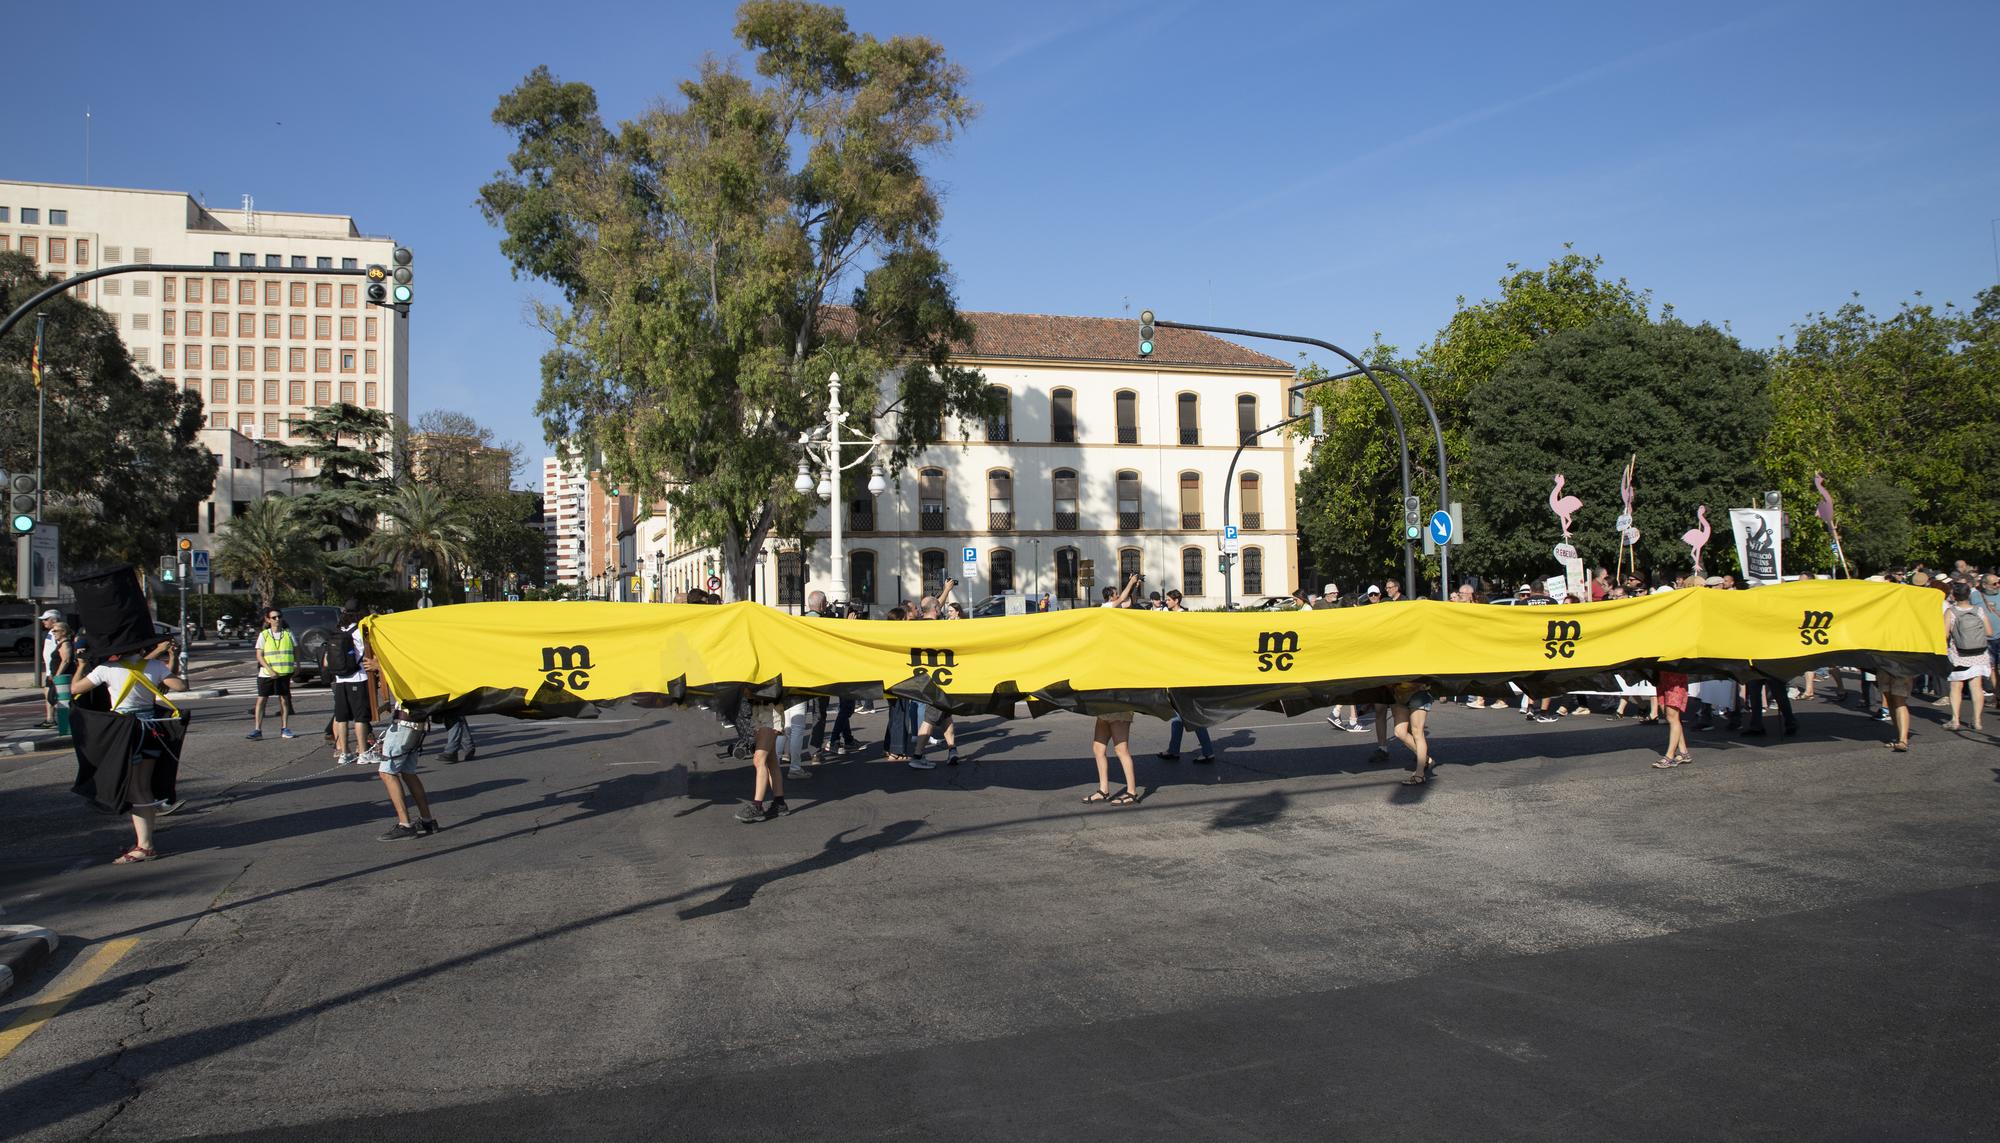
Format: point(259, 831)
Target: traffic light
point(184, 556)
point(1413, 518)
point(24, 503)
point(169, 569)
point(401, 292)
point(1145, 333)
point(378, 283)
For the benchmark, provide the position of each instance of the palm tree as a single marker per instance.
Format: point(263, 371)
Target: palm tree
point(420, 528)
point(270, 547)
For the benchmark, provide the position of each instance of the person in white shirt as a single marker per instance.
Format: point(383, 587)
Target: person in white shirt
point(129, 695)
point(352, 718)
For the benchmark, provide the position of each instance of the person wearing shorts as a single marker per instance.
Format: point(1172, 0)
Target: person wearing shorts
point(769, 720)
point(399, 775)
point(277, 659)
point(1673, 697)
point(1896, 696)
point(1114, 732)
point(1410, 707)
point(352, 720)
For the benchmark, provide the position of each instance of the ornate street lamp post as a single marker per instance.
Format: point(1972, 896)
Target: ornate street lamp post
point(822, 448)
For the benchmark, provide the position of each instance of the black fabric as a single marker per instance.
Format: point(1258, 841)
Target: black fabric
point(340, 656)
point(114, 611)
point(107, 744)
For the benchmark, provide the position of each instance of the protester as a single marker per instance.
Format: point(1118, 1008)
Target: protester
point(1114, 731)
point(768, 793)
point(1177, 725)
point(134, 683)
point(1672, 694)
point(397, 752)
point(347, 665)
point(277, 654)
point(1896, 694)
point(1410, 708)
point(1968, 635)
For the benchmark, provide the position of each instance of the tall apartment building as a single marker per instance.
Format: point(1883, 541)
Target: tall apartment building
point(564, 500)
point(1096, 455)
point(258, 347)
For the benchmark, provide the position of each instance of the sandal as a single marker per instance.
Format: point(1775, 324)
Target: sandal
point(134, 855)
point(1668, 762)
point(1900, 747)
point(1125, 798)
point(1097, 796)
point(1417, 779)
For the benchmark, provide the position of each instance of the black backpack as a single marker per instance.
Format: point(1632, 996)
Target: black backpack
point(340, 657)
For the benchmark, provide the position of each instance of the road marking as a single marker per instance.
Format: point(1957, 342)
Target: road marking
point(79, 978)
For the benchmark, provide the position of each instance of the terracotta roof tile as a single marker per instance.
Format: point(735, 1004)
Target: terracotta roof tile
point(1046, 337)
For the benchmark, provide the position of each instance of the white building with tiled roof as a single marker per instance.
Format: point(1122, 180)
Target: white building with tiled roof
point(1101, 456)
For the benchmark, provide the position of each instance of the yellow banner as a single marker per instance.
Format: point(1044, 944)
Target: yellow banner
point(540, 659)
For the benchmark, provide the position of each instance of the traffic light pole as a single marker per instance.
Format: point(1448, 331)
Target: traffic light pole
point(1444, 479)
point(1395, 418)
point(13, 319)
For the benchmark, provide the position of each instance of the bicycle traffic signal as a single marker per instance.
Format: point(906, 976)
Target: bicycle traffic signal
point(378, 283)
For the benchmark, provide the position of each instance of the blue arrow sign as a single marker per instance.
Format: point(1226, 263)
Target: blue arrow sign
point(1440, 527)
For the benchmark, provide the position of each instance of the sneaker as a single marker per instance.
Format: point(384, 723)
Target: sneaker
point(951, 759)
point(1204, 758)
point(919, 763)
point(1380, 756)
point(343, 760)
point(398, 833)
point(471, 752)
point(286, 733)
point(1542, 716)
point(45, 726)
point(751, 813)
point(797, 772)
point(448, 756)
point(169, 807)
point(427, 826)
point(777, 808)
point(254, 735)
point(1791, 729)
point(1355, 726)
point(1166, 757)
point(1882, 715)
point(1331, 720)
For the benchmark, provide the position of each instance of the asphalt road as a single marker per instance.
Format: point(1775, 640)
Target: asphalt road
point(1790, 938)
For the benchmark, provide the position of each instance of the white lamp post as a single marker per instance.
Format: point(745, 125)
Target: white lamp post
point(822, 448)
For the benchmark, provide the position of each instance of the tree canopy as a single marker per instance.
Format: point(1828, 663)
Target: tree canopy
point(123, 468)
point(719, 255)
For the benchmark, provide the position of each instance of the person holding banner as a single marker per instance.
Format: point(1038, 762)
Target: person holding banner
point(1967, 634)
point(134, 683)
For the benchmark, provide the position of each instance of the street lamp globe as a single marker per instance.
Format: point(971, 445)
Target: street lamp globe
point(876, 483)
point(825, 488)
point(804, 483)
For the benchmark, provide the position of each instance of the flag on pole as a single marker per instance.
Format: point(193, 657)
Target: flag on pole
point(35, 358)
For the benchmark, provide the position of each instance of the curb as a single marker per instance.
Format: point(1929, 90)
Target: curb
point(33, 746)
point(207, 693)
point(23, 948)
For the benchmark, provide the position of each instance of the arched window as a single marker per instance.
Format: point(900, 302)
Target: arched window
point(1130, 517)
point(1000, 422)
point(930, 499)
point(1246, 418)
point(1191, 572)
point(1128, 565)
point(1128, 417)
point(861, 576)
point(1063, 480)
point(1066, 561)
point(1190, 500)
point(933, 565)
point(1253, 571)
point(1000, 570)
point(1062, 416)
point(1000, 500)
point(791, 579)
point(1252, 488)
point(1190, 418)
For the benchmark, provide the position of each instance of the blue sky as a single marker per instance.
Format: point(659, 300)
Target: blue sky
point(1332, 169)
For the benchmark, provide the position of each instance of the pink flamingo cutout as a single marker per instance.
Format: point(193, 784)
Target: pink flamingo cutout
point(1697, 538)
point(1563, 506)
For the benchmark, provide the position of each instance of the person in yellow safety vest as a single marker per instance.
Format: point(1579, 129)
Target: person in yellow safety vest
point(277, 659)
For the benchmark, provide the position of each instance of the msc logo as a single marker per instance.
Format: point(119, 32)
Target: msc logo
point(937, 662)
point(1814, 628)
point(1276, 650)
point(1562, 639)
point(567, 667)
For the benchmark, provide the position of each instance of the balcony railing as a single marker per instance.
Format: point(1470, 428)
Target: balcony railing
point(1128, 434)
point(1066, 521)
point(931, 519)
point(1128, 521)
point(999, 521)
point(1190, 436)
point(999, 432)
point(1191, 521)
point(1253, 519)
point(861, 518)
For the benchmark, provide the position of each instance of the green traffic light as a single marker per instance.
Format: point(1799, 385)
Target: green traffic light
point(1409, 533)
point(1145, 349)
point(403, 294)
point(23, 524)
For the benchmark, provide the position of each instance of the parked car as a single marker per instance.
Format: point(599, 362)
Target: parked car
point(313, 629)
point(20, 631)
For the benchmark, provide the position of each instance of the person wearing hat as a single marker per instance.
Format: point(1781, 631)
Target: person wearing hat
point(1374, 595)
point(50, 646)
point(347, 666)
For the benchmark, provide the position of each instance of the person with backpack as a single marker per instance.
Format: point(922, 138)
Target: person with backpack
point(346, 665)
point(1968, 631)
point(277, 660)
